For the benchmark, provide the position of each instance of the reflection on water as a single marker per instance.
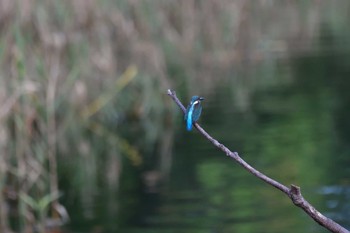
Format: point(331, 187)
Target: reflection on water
point(337, 201)
point(296, 133)
point(288, 133)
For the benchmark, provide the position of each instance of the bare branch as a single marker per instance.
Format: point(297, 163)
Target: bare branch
point(293, 192)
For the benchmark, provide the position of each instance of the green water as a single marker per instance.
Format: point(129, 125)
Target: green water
point(296, 131)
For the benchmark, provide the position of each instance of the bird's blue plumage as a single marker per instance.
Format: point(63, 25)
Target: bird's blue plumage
point(189, 119)
point(193, 111)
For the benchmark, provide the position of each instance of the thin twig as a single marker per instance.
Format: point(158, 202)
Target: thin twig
point(293, 192)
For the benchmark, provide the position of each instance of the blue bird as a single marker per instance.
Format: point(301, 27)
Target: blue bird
point(193, 111)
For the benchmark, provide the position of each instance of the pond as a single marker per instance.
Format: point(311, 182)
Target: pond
point(296, 131)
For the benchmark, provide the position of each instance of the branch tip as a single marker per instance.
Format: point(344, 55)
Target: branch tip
point(171, 92)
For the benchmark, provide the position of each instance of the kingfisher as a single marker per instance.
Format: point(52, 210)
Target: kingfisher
point(193, 111)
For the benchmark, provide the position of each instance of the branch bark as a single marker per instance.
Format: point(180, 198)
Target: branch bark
point(293, 192)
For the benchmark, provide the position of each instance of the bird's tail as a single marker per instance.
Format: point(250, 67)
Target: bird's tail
point(189, 120)
point(189, 125)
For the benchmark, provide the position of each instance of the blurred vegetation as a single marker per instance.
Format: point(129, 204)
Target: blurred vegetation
point(83, 83)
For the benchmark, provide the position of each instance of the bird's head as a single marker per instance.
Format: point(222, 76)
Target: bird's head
point(196, 99)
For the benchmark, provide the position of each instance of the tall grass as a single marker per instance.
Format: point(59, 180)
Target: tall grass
point(82, 85)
